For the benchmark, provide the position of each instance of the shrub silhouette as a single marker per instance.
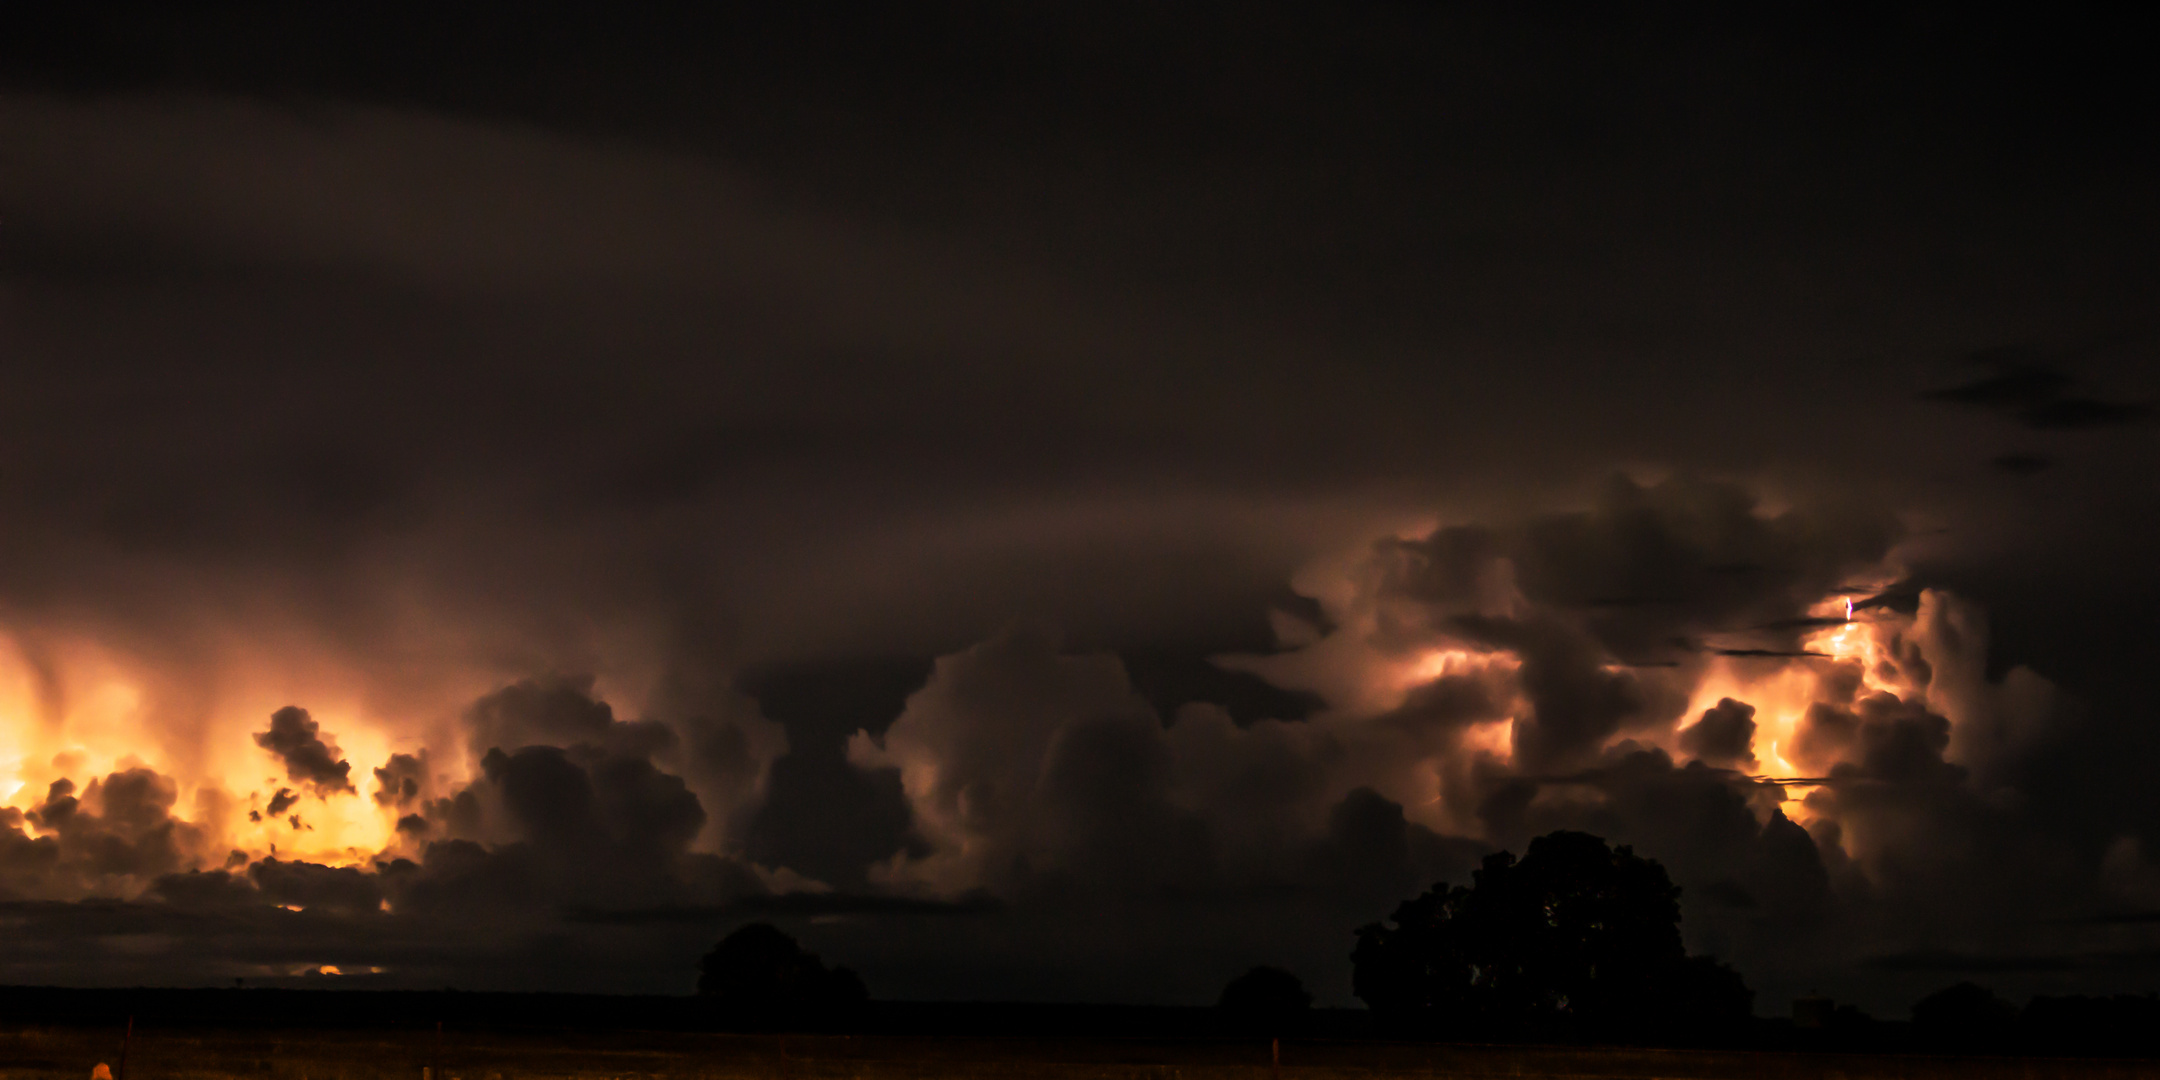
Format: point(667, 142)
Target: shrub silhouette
point(1576, 939)
point(1265, 1000)
point(761, 974)
point(2124, 1025)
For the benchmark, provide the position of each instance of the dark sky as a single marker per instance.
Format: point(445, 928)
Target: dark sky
point(1071, 501)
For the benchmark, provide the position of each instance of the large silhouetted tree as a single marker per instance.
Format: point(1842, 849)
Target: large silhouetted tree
point(1575, 939)
point(760, 973)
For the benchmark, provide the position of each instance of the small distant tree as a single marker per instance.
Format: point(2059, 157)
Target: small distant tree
point(1265, 1000)
point(762, 974)
point(1575, 939)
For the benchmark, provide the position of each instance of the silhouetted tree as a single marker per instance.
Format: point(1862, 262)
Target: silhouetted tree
point(1266, 1000)
point(1575, 939)
point(1966, 1015)
point(761, 974)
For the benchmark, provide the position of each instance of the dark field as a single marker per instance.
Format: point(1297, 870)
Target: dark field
point(68, 1053)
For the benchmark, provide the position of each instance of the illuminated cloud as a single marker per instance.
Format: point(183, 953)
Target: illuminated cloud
point(1195, 518)
point(309, 759)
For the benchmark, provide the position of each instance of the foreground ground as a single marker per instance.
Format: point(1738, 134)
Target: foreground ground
point(69, 1053)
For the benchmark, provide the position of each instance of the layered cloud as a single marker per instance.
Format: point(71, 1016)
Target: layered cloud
point(480, 545)
point(1673, 666)
point(1751, 694)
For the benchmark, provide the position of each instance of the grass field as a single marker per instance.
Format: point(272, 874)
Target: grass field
point(54, 1053)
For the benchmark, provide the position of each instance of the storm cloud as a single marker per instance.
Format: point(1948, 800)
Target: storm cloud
point(309, 759)
point(1068, 503)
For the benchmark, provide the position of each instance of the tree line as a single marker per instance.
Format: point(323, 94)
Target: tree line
point(1575, 941)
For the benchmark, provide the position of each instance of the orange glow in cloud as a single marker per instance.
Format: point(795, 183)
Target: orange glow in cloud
point(71, 710)
point(1782, 689)
point(1849, 653)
